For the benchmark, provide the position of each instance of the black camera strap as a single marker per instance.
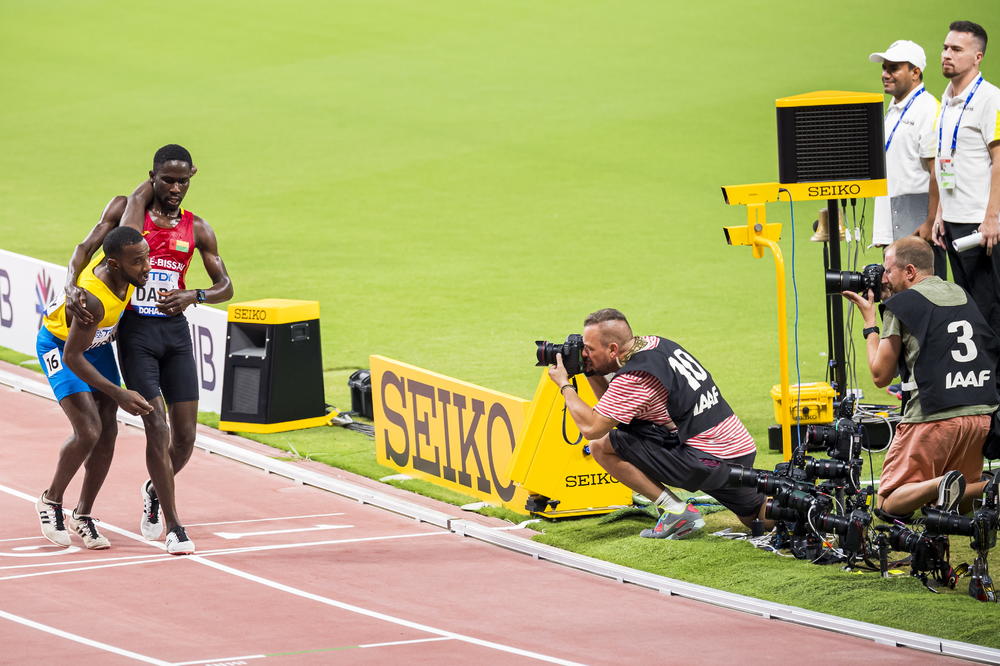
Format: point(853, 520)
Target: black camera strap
point(564, 410)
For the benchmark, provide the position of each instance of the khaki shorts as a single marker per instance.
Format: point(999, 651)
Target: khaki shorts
point(922, 451)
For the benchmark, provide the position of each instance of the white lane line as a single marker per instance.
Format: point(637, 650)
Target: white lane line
point(34, 538)
point(415, 640)
point(314, 528)
point(377, 615)
point(80, 639)
point(75, 569)
point(261, 520)
point(320, 599)
point(224, 660)
point(161, 557)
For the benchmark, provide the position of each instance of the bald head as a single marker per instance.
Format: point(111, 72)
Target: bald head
point(913, 251)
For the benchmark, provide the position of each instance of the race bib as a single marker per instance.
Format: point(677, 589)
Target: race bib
point(946, 167)
point(52, 361)
point(144, 299)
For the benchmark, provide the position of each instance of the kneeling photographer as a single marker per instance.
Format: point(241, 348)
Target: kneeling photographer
point(659, 421)
point(946, 356)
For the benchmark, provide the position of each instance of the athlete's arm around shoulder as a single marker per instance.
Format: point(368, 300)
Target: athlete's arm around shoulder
point(207, 244)
point(84, 252)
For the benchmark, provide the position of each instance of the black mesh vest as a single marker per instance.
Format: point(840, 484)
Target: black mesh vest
point(693, 400)
point(957, 363)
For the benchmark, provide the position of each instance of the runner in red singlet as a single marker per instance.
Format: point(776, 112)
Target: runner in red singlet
point(154, 339)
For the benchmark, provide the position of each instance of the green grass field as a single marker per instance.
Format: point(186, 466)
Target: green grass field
point(454, 180)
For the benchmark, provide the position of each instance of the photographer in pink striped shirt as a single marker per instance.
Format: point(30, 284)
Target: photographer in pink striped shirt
point(660, 421)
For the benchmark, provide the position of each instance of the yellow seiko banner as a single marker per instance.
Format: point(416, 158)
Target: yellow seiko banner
point(499, 448)
point(446, 431)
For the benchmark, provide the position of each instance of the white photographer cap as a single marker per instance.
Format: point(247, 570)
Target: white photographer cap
point(902, 50)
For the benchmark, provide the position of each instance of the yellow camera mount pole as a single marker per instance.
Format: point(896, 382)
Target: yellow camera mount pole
point(759, 234)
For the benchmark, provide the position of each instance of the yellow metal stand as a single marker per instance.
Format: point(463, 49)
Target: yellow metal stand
point(758, 234)
point(563, 479)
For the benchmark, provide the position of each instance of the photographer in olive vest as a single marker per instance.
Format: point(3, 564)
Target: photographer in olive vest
point(935, 338)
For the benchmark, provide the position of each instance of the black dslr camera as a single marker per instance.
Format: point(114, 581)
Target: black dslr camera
point(571, 350)
point(870, 277)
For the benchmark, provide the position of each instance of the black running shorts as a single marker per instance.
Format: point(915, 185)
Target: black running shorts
point(156, 357)
point(660, 455)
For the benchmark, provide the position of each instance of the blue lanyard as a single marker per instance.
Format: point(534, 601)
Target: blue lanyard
point(944, 107)
point(900, 119)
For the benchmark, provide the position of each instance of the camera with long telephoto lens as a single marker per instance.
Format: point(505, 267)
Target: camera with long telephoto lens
point(852, 529)
point(842, 441)
point(870, 277)
point(571, 350)
point(928, 554)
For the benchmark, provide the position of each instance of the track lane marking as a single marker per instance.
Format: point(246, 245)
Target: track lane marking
point(156, 557)
point(236, 660)
point(201, 559)
point(314, 528)
point(81, 639)
point(261, 520)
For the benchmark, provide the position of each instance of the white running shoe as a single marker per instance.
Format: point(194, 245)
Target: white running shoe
point(178, 542)
point(150, 524)
point(84, 526)
point(51, 518)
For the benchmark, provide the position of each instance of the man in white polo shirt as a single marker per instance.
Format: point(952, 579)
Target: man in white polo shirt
point(968, 167)
point(910, 141)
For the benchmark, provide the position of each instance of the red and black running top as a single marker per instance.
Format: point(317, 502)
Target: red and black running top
point(170, 252)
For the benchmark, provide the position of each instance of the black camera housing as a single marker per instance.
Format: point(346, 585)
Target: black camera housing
point(870, 277)
point(571, 350)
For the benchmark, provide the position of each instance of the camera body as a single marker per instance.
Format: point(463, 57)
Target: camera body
point(571, 350)
point(870, 277)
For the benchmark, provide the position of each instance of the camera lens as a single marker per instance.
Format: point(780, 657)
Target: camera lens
point(838, 281)
point(943, 522)
point(774, 511)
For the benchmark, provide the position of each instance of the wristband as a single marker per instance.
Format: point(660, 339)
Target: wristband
point(868, 331)
point(565, 386)
point(200, 295)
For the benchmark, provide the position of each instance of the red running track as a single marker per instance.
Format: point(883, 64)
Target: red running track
point(290, 574)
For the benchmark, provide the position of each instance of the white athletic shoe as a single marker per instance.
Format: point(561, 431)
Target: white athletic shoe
point(51, 518)
point(150, 524)
point(178, 542)
point(84, 526)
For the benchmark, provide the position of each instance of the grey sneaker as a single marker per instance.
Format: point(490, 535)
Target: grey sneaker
point(84, 526)
point(950, 491)
point(178, 542)
point(150, 524)
point(675, 525)
point(50, 516)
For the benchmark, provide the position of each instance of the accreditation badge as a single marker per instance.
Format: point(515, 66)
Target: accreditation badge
point(946, 167)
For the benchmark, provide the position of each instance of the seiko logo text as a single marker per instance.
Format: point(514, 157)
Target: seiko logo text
point(578, 480)
point(471, 430)
point(835, 190)
point(249, 314)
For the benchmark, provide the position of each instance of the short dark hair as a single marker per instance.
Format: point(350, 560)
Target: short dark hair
point(974, 29)
point(606, 314)
point(171, 153)
point(118, 239)
point(916, 251)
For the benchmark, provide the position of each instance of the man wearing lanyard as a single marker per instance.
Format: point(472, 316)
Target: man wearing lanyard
point(910, 139)
point(968, 168)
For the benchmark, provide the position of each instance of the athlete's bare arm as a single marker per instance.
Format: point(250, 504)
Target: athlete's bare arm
point(81, 335)
point(134, 214)
point(83, 253)
point(222, 287)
